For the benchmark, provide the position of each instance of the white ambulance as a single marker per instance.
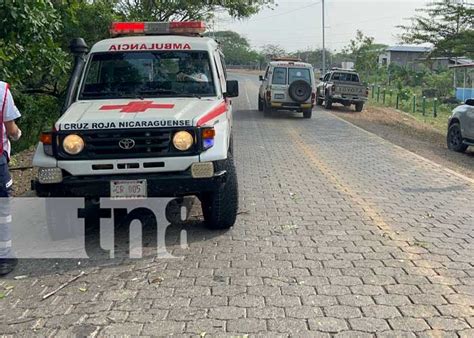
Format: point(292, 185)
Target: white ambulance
point(148, 113)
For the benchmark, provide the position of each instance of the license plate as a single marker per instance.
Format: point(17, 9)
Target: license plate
point(136, 189)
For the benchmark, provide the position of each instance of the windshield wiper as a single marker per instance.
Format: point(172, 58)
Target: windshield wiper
point(95, 94)
point(167, 92)
point(158, 91)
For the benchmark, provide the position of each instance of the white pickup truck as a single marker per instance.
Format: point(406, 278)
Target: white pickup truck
point(341, 86)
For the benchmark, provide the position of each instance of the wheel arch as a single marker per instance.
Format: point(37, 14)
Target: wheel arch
point(453, 121)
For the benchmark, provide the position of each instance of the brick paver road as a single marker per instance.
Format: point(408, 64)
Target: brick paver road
point(340, 233)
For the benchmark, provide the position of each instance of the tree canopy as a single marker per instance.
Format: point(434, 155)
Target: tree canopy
point(161, 10)
point(364, 52)
point(236, 48)
point(447, 25)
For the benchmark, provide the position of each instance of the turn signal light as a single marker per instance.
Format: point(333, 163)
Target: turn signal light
point(46, 138)
point(208, 135)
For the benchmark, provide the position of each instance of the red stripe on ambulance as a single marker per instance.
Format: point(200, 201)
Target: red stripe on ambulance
point(217, 111)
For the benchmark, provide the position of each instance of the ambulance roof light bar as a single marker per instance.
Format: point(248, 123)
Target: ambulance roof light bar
point(158, 28)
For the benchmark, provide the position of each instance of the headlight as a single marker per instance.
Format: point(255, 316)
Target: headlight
point(183, 140)
point(73, 144)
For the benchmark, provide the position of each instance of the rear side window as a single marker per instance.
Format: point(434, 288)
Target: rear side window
point(349, 77)
point(279, 76)
point(295, 74)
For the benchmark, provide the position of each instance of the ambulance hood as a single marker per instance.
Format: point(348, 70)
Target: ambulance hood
point(136, 113)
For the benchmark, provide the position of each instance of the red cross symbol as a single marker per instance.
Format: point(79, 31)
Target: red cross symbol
point(137, 106)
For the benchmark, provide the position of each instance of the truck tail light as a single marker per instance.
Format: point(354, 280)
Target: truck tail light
point(333, 88)
point(313, 97)
point(208, 135)
point(367, 91)
point(269, 96)
point(157, 28)
point(47, 139)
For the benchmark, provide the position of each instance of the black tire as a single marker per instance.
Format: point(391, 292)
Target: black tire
point(359, 106)
point(327, 102)
point(454, 138)
point(260, 104)
point(220, 207)
point(267, 111)
point(300, 91)
point(307, 113)
point(319, 100)
point(61, 225)
point(178, 210)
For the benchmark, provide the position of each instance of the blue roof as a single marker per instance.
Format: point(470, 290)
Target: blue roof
point(412, 49)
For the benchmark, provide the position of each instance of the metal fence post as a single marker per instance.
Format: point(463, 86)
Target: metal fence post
point(391, 96)
point(383, 97)
point(414, 103)
point(424, 105)
point(378, 93)
point(373, 90)
point(435, 107)
point(398, 100)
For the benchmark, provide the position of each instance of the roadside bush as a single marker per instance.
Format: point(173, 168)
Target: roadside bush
point(442, 82)
point(38, 114)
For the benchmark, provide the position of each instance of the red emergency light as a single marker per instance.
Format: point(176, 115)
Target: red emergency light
point(157, 28)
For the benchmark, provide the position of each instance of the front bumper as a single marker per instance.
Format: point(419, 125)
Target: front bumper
point(158, 185)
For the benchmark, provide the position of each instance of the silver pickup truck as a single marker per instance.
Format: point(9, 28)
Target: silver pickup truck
point(341, 86)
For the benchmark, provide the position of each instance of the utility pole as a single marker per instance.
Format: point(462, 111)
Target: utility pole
point(324, 41)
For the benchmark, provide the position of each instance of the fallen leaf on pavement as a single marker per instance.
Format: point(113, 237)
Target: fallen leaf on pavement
point(82, 289)
point(20, 277)
point(156, 280)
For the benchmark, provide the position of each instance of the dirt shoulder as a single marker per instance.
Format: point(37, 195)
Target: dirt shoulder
point(22, 172)
point(409, 133)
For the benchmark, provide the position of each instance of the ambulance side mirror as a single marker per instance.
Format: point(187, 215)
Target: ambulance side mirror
point(232, 88)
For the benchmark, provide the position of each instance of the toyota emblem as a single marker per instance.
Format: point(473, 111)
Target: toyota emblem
point(127, 144)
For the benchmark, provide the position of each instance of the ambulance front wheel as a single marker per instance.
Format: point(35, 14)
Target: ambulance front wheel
point(220, 207)
point(60, 224)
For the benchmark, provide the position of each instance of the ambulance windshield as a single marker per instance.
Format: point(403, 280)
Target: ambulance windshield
point(148, 74)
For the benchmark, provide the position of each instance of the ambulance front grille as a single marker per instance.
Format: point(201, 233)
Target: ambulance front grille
point(106, 144)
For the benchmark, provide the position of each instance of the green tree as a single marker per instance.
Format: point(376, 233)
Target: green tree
point(88, 20)
point(270, 51)
point(30, 57)
point(448, 25)
point(314, 57)
point(236, 48)
point(365, 53)
point(160, 10)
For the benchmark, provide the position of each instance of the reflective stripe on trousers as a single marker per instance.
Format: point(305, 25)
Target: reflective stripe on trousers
point(6, 184)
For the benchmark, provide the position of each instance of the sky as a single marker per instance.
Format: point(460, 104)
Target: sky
point(297, 25)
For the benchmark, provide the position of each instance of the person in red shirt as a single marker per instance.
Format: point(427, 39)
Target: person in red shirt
point(8, 131)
